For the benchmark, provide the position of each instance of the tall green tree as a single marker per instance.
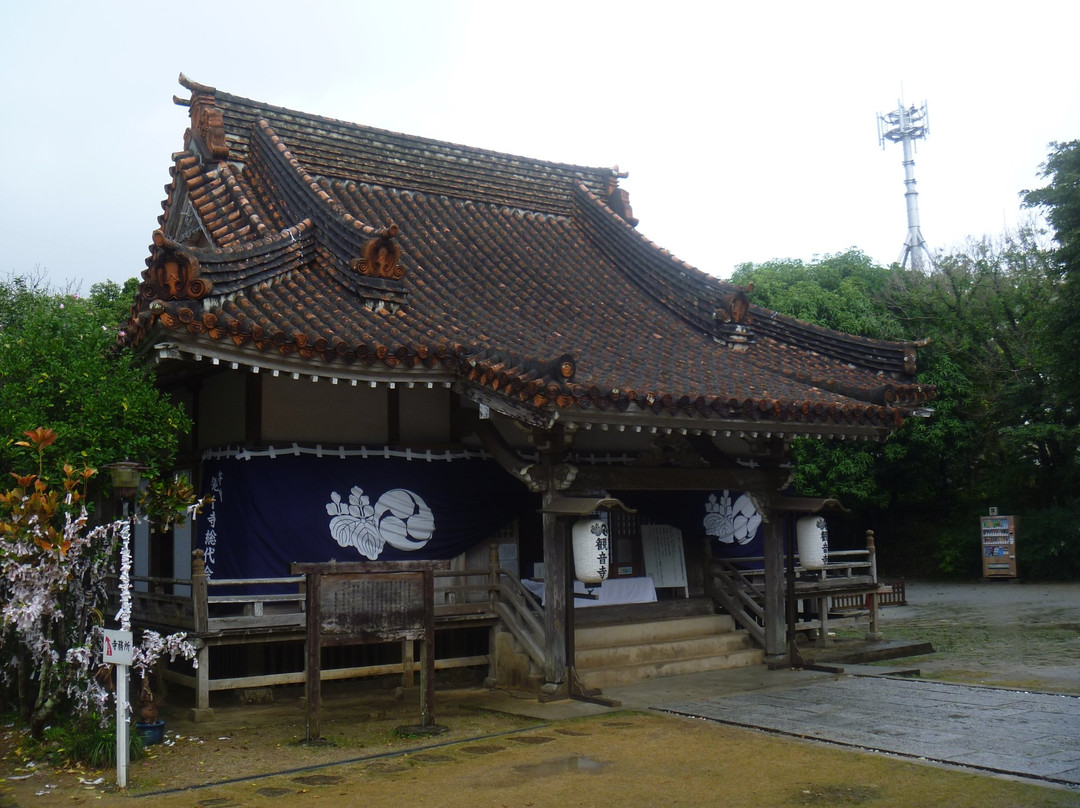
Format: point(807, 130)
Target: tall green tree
point(1059, 200)
point(842, 291)
point(845, 292)
point(1002, 431)
point(59, 369)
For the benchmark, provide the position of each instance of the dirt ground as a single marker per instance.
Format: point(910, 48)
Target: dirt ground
point(1004, 633)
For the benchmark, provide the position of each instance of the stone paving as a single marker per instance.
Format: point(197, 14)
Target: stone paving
point(1027, 734)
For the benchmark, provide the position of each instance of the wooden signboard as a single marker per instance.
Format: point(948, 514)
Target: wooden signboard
point(665, 561)
point(369, 602)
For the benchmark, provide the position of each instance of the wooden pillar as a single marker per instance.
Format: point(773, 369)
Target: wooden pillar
point(313, 655)
point(493, 598)
point(200, 606)
point(200, 609)
point(202, 711)
point(823, 604)
point(408, 664)
point(427, 654)
point(875, 631)
point(555, 595)
point(775, 609)
point(493, 572)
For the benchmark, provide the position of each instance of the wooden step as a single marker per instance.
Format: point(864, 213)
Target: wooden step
point(630, 674)
point(611, 655)
point(674, 628)
point(658, 651)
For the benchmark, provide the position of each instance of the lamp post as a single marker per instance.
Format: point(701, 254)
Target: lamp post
point(126, 476)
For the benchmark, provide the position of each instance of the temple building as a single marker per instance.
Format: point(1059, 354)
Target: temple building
point(395, 348)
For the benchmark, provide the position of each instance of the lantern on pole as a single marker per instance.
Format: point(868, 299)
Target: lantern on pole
point(813, 537)
point(592, 550)
point(126, 476)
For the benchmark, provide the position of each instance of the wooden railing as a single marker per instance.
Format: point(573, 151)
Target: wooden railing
point(741, 596)
point(847, 586)
point(522, 615)
point(249, 611)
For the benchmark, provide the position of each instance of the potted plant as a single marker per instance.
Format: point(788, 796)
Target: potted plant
point(153, 647)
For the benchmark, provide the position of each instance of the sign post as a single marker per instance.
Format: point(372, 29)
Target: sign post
point(117, 651)
point(353, 603)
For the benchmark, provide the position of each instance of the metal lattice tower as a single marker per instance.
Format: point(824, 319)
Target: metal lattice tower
point(906, 125)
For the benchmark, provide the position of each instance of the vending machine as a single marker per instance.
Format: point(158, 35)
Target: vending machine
point(998, 545)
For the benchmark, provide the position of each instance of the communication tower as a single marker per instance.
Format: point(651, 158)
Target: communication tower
point(906, 125)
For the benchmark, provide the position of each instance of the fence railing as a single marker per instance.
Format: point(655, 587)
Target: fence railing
point(220, 612)
point(846, 586)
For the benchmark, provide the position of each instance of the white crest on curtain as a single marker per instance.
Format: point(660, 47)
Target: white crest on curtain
point(399, 518)
point(731, 523)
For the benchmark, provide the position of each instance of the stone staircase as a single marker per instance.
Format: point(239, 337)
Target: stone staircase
point(609, 655)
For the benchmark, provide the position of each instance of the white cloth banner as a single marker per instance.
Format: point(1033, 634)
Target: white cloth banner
point(613, 591)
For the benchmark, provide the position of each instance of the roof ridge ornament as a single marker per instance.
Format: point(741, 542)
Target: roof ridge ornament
point(172, 274)
point(207, 121)
point(381, 256)
point(733, 319)
point(618, 199)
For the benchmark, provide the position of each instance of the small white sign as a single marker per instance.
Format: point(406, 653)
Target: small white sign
point(117, 650)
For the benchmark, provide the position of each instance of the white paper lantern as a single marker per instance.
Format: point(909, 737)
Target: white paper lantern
point(813, 538)
point(592, 550)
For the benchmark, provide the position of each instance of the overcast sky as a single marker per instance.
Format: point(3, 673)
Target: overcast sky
point(748, 129)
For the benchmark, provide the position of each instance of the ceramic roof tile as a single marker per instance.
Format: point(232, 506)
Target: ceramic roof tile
point(346, 244)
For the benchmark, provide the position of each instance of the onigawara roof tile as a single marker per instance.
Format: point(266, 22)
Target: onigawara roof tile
point(292, 239)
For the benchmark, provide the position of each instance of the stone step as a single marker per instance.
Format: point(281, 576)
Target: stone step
point(630, 674)
point(621, 654)
point(637, 633)
point(660, 650)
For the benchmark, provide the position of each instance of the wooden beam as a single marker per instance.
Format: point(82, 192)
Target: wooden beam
point(253, 409)
point(664, 478)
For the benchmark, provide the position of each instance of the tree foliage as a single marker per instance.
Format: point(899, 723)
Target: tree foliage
point(1059, 200)
point(841, 292)
point(58, 367)
point(1003, 430)
point(54, 591)
point(54, 583)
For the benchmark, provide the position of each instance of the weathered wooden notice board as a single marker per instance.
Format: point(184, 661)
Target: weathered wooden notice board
point(360, 603)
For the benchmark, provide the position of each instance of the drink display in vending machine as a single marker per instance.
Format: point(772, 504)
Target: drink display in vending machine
point(998, 545)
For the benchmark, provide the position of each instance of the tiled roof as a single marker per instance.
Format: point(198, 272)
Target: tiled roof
point(290, 236)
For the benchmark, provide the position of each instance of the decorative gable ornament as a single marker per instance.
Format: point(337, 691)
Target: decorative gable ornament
point(618, 199)
point(733, 320)
point(592, 550)
point(186, 229)
point(172, 274)
point(381, 256)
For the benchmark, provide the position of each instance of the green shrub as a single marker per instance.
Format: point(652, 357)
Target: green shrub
point(86, 741)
